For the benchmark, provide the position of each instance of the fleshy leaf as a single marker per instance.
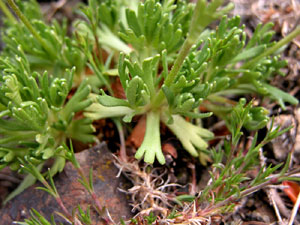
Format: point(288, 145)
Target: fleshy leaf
point(151, 146)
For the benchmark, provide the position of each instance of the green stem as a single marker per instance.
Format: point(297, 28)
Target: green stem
point(99, 51)
point(99, 74)
point(118, 123)
point(179, 61)
point(221, 99)
point(6, 11)
point(274, 48)
point(25, 136)
point(63, 207)
point(174, 71)
point(26, 22)
point(244, 193)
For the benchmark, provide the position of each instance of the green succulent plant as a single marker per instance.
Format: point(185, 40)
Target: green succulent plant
point(37, 106)
point(36, 115)
point(211, 66)
point(169, 62)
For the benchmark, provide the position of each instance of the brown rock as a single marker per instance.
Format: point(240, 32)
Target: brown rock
point(73, 193)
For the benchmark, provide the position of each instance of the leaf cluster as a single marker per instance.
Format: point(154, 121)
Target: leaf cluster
point(39, 109)
point(231, 176)
point(36, 116)
point(207, 71)
point(155, 27)
point(48, 47)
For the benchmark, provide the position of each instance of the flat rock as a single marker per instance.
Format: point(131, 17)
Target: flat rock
point(73, 193)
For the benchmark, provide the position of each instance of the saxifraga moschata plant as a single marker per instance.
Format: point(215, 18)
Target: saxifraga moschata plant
point(38, 66)
point(168, 60)
point(207, 67)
